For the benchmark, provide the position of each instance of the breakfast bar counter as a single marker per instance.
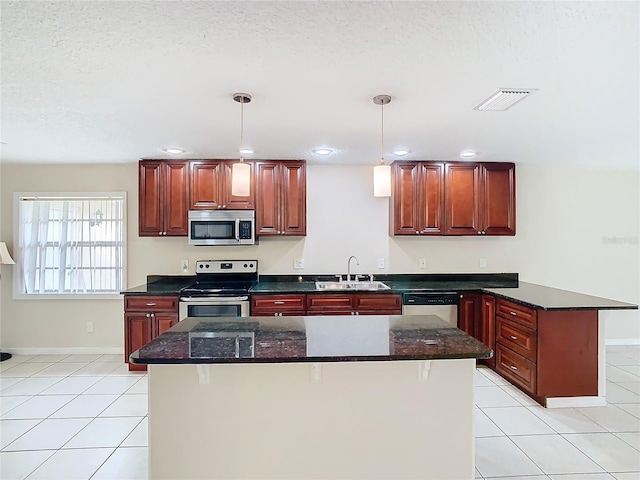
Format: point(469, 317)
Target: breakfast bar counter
point(311, 397)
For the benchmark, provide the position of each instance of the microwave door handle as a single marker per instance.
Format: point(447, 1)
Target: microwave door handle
point(237, 229)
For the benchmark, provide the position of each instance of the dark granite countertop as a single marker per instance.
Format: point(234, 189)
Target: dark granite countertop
point(310, 339)
point(548, 298)
point(503, 285)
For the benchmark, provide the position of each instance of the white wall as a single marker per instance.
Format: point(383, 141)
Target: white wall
point(562, 219)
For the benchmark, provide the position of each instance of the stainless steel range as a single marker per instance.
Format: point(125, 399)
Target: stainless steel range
point(221, 289)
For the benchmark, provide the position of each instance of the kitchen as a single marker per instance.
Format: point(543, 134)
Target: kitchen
point(569, 202)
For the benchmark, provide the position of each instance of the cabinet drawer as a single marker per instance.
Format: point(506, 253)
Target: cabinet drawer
point(517, 338)
point(159, 303)
point(277, 303)
point(516, 368)
point(518, 313)
point(375, 301)
point(329, 302)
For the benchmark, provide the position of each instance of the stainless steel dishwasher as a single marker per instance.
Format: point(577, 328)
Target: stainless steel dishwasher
point(442, 304)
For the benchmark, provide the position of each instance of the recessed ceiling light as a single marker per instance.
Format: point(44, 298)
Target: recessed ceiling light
point(173, 151)
point(322, 151)
point(400, 152)
point(468, 154)
point(246, 151)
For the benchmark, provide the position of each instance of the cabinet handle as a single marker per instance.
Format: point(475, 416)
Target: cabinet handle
point(151, 304)
point(513, 367)
point(513, 313)
point(513, 337)
point(279, 302)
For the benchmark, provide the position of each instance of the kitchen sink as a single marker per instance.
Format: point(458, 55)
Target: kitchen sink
point(375, 285)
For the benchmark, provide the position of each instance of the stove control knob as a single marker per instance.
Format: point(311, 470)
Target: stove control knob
point(207, 265)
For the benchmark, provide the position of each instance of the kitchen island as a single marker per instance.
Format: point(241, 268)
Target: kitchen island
point(311, 397)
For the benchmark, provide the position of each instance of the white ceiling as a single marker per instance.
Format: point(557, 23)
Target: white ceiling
point(106, 81)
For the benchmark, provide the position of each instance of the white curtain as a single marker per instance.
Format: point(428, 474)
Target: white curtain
point(71, 245)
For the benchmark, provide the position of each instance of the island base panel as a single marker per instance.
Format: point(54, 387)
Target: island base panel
point(350, 420)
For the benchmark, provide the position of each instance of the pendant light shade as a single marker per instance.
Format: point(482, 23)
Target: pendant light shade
point(382, 180)
point(382, 172)
point(241, 171)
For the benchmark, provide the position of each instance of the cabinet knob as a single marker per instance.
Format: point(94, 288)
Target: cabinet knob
point(484, 233)
point(479, 232)
point(148, 315)
point(417, 232)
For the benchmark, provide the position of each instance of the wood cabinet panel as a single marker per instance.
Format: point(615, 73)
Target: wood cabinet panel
point(330, 302)
point(146, 317)
point(486, 325)
point(498, 199)
point(467, 312)
point(417, 199)
point(281, 189)
point(517, 313)
point(162, 198)
point(462, 199)
point(137, 327)
point(518, 338)
point(270, 305)
point(380, 303)
point(211, 186)
point(516, 368)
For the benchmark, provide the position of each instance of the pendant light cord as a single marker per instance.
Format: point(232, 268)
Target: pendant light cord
point(241, 130)
point(382, 136)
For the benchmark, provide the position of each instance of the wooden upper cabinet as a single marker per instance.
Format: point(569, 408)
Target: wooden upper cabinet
point(418, 198)
point(462, 198)
point(210, 182)
point(281, 189)
point(162, 198)
point(498, 198)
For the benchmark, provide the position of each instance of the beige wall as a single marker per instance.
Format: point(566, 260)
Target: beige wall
point(562, 216)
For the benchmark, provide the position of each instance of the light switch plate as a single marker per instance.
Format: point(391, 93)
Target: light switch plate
point(483, 263)
point(381, 263)
point(423, 263)
point(298, 263)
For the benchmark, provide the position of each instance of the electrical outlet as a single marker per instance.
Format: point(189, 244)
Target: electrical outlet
point(423, 263)
point(185, 265)
point(89, 327)
point(483, 263)
point(381, 262)
point(298, 263)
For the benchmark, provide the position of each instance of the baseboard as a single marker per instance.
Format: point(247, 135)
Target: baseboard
point(65, 351)
point(622, 341)
point(564, 402)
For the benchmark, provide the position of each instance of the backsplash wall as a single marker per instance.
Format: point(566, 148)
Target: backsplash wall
point(565, 220)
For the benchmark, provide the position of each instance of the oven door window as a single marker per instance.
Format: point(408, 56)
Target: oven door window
point(196, 310)
point(218, 230)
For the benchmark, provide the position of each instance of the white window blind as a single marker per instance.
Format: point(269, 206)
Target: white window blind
point(71, 244)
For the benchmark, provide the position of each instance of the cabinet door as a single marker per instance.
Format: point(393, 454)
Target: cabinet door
point(404, 209)
point(205, 185)
point(498, 199)
point(163, 322)
point(462, 199)
point(176, 190)
point(486, 325)
point(293, 200)
point(467, 311)
point(431, 199)
point(231, 201)
point(138, 333)
point(267, 190)
point(150, 199)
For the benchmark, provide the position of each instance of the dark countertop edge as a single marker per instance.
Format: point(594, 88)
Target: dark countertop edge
point(382, 358)
point(535, 306)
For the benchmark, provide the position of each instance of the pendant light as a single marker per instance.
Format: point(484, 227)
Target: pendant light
point(382, 172)
point(241, 171)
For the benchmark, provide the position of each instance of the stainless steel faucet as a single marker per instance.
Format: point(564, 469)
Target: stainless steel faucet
point(349, 266)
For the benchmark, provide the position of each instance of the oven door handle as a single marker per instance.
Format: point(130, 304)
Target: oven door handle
point(215, 300)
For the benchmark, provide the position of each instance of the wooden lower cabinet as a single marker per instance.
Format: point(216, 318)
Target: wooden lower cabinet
point(476, 317)
point(354, 304)
point(547, 353)
point(146, 317)
point(278, 305)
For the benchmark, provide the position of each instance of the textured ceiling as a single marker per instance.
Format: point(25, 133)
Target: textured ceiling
point(106, 81)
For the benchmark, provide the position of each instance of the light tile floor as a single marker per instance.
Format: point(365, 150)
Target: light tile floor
point(84, 417)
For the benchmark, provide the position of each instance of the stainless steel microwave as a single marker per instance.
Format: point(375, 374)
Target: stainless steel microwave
point(222, 227)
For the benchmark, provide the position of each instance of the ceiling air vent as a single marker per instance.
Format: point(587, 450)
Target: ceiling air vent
point(504, 98)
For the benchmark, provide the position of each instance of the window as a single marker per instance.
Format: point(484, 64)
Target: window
point(70, 243)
